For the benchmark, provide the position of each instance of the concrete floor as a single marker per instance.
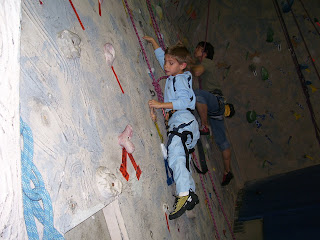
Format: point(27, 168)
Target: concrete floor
point(252, 230)
point(95, 227)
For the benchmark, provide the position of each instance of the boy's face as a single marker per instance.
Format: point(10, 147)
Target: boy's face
point(198, 52)
point(172, 66)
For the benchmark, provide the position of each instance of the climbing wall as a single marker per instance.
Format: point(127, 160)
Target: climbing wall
point(84, 83)
point(272, 131)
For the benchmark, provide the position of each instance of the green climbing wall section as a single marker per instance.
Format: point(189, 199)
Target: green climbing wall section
point(258, 75)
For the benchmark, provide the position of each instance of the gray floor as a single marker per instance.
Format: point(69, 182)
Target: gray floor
point(95, 227)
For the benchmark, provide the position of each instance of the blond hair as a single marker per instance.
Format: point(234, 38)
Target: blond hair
point(180, 53)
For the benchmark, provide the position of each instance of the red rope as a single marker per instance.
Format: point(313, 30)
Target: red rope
point(154, 83)
point(75, 11)
point(221, 207)
point(206, 196)
point(117, 79)
point(155, 26)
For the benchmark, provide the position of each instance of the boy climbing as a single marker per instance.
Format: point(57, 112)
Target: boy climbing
point(210, 103)
point(183, 130)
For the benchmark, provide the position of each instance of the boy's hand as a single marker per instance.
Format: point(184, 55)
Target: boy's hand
point(153, 115)
point(154, 104)
point(148, 39)
point(155, 45)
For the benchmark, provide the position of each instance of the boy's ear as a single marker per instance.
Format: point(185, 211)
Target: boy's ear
point(183, 66)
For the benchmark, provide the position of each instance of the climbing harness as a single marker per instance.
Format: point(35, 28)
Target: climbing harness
point(123, 166)
point(218, 114)
point(32, 196)
point(184, 137)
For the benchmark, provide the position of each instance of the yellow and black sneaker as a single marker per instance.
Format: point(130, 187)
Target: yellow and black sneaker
point(194, 202)
point(183, 203)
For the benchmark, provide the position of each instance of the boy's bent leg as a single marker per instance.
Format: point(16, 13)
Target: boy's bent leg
point(221, 140)
point(226, 156)
point(202, 109)
point(206, 103)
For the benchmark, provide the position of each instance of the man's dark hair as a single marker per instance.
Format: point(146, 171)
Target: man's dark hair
point(208, 49)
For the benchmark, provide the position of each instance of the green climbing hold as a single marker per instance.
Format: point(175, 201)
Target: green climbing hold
point(251, 116)
point(270, 34)
point(264, 74)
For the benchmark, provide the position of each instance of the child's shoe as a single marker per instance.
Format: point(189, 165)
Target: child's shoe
point(204, 130)
point(183, 203)
point(194, 202)
point(227, 178)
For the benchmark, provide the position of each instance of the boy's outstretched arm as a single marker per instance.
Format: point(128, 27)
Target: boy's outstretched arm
point(156, 104)
point(151, 40)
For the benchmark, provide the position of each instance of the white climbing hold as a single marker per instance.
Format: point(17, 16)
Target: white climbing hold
point(69, 44)
point(109, 54)
point(108, 184)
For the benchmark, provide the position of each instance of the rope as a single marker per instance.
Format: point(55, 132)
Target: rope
point(305, 44)
point(205, 42)
point(206, 196)
point(154, 82)
point(32, 196)
point(309, 17)
point(296, 63)
point(221, 207)
point(155, 26)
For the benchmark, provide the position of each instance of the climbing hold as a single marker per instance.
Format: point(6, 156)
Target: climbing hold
point(289, 139)
point(308, 83)
point(268, 138)
point(297, 116)
point(108, 184)
point(313, 88)
point(110, 54)
point(286, 5)
point(124, 139)
point(68, 43)
point(228, 44)
point(251, 116)
point(258, 123)
point(263, 116)
point(149, 73)
point(270, 34)
point(307, 156)
point(253, 68)
point(264, 74)
point(152, 93)
point(300, 105)
point(303, 66)
point(159, 12)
